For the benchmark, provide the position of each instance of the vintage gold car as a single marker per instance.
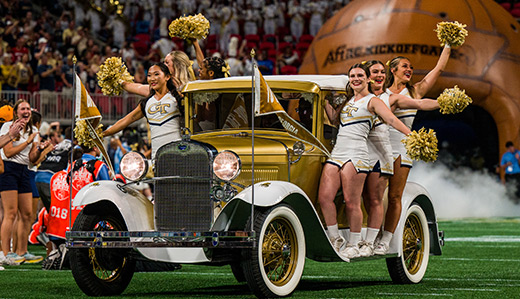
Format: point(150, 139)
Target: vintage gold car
point(206, 209)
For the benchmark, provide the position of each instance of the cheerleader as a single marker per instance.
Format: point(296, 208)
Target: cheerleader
point(160, 107)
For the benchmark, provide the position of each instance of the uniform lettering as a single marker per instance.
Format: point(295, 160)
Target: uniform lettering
point(158, 108)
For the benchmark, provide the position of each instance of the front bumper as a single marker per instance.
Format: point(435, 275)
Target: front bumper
point(135, 239)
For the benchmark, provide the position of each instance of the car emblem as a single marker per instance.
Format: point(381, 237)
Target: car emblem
point(265, 185)
point(183, 147)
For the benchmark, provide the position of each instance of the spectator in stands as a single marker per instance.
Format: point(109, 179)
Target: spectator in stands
point(236, 67)
point(46, 73)
point(317, 8)
point(15, 188)
point(67, 74)
point(140, 74)
point(265, 65)
point(296, 12)
point(251, 18)
point(23, 73)
point(288, 57)
point(19, 49)
point(269, 13)
point(116, 151)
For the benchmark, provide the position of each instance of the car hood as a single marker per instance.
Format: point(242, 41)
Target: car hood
point(240, 141)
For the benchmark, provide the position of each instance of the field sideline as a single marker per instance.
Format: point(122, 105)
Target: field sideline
point(481, 259)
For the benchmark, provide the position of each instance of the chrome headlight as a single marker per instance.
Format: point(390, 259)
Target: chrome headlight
point(133, 166)
point(227, 165)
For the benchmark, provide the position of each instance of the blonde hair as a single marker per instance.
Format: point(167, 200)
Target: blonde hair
point(182, 67)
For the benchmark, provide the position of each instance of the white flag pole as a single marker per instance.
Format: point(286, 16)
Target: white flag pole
point(253, 138)
point(74, 60)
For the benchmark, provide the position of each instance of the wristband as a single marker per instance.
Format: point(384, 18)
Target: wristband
point(27, 142)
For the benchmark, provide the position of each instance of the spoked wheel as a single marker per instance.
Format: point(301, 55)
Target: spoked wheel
point(275, 267)
point(411, 265)
point(101, 271)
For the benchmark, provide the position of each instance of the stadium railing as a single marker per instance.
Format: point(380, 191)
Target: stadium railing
point(58, 106)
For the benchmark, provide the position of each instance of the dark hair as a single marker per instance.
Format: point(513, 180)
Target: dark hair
point(370, 63)
point(392, 64)
point(36, 117)
point(216, 64)
point(350, 91)
point(171, 87)
point(509, 143)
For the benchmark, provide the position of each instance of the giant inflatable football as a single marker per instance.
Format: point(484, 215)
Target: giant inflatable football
point(487, 65)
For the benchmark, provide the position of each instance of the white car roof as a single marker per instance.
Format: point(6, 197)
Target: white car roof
point(324, 82)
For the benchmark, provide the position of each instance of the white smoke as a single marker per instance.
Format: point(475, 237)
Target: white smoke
point(464, 193)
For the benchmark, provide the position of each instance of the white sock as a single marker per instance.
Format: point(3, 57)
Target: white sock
point(371, 234)
point(354, 238)
point(332, 231)
point(387, 237)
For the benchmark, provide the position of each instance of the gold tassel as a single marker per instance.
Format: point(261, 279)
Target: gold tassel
point(83, 135)
point(453, 100)
point(422, 145)
point(112, 73)
point(451, 33)
point(196, 27)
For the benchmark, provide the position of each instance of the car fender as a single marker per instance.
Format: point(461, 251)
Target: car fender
point(235, 214)
point(415, 193)
point(135, 208)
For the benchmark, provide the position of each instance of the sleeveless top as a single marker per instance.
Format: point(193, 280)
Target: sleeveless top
point(407, 116)
point(163, 117)
point(351, 143)
point(379, 147)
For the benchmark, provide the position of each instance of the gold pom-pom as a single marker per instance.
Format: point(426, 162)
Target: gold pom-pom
point(84, 136)
point(453, 100)
point(451, 33)
point(422, 145)
point(196, 27)
point(112, 73)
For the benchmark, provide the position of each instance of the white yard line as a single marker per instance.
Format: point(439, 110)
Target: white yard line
point(415, 294)
point(479, 260)
point(466, 289)
point(486, 239)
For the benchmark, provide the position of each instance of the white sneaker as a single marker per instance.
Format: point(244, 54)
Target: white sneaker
point(337, 242)
point(366, 249)
point(350, 251)
point(2, 258)
point(381, 248)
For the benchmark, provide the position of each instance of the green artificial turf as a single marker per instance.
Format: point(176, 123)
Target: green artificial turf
point(481, 259)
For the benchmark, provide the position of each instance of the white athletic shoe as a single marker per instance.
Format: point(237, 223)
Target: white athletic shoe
point(337, 242)
point(381, 249)
point(366, 249)
point(350, 251)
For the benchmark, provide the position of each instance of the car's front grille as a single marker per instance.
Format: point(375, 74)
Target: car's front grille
point(183, 204)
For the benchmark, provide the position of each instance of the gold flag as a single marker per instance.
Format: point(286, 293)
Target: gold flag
point(86, 109)
point(237, 118)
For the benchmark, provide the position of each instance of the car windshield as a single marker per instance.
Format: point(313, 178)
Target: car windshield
point(214, 111)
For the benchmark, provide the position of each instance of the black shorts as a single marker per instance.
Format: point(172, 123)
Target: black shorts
point(15, 177)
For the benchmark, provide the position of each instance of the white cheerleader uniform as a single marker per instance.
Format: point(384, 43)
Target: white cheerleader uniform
point(351, 143)
point(379, 147)
point(406, 116)
point(163, 117)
